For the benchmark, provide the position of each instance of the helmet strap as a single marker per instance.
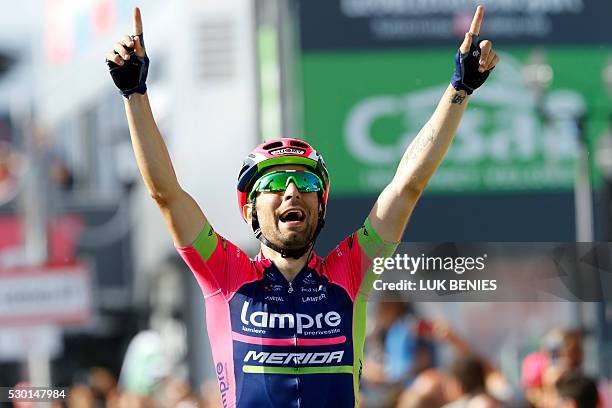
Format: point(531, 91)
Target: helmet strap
point(285, 252)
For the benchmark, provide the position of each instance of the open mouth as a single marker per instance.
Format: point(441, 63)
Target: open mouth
point(293, 215)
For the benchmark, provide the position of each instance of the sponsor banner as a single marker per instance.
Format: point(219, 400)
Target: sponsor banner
point(48, 294)
point(496, 272)
point(366, 24)
point(361, 110)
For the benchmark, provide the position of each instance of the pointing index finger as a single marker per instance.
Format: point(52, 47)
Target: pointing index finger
point(137, 21)
point(477, 20)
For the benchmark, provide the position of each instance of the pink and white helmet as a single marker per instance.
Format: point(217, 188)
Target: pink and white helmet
point(277, 152)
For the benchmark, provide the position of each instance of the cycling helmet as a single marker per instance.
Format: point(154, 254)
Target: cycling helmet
point(277, 152)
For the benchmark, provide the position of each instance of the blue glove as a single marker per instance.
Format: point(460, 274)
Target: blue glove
point(467, 77)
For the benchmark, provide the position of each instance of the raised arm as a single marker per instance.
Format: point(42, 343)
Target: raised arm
point(394, 206)
point(182, 214)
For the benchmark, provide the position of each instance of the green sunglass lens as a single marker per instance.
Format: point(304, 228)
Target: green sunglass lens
point(278, 181)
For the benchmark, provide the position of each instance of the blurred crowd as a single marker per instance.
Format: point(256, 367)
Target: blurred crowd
point(45, 154)
point(9, 164)
point(99, 388)
point(402, 368)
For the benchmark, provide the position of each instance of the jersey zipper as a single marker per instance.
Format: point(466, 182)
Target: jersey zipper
point(295, 336)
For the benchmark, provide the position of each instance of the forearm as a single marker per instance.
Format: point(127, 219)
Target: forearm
point(395, 204)
point(150, 149)
point(425, 153)
point(181, 212)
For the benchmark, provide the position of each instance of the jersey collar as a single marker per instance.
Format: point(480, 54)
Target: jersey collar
point(313, 260)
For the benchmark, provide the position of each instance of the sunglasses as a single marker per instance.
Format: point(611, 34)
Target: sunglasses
point(278, 181)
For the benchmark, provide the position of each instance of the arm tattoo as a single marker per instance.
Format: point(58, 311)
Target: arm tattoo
point(457, 99)
point(422, 141)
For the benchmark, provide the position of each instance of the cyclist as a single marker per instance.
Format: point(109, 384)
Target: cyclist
point(287, 328)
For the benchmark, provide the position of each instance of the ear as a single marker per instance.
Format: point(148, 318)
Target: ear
point(247, 212)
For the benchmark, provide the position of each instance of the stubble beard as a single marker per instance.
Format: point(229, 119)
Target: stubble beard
point(288, 239)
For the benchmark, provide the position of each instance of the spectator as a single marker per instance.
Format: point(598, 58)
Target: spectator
point(413, 399)
point(60, 173)
point(470, 373)
point(532, 377)
point(47, 154)
point(397, 349)
point(81, 396)
point(10, 167)
point(431, 389)
point(577, 391)
point(561, 355)
point(572, 352)
point(103, 384)
point(175, 392)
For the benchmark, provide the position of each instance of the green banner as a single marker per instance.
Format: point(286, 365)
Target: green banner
point(362, 109)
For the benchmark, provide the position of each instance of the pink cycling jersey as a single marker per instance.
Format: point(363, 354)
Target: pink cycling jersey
point(286, 344)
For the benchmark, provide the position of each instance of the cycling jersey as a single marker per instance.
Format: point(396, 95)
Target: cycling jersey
point(286, 344)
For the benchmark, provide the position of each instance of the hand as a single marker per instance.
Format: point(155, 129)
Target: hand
point(441, 331)
point(128, 62)
point(474, 63)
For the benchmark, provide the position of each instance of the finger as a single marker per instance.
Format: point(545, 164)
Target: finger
point(137, 22)
point(111, 56)
point(467, 43)
point(127, 41)
point(489, 59)
point(138, 48)
point(494, 61)
point(485, 50)
point(120, 49)
point(477, 20)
